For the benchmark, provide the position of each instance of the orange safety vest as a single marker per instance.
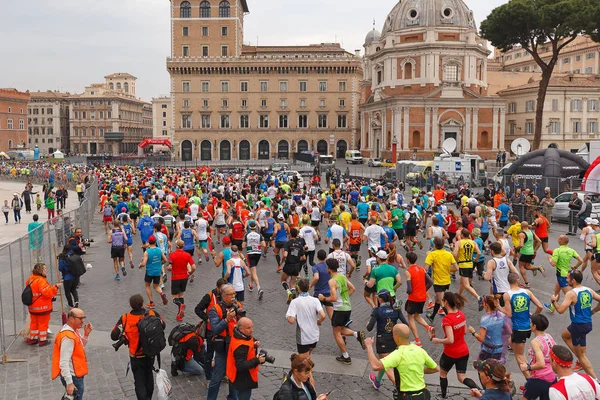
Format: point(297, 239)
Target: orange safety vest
point(80, 367)
point(231, 369)
point(42, 295)
point(230, 325)
point(189, 353)
point(131, 332)
point(213, 301)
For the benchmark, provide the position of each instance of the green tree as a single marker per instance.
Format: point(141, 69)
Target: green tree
point(534, 24)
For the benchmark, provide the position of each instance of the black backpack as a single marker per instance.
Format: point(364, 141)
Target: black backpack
point(177, 333)
point(152, 335)
point(27, 295)
point(75, 265)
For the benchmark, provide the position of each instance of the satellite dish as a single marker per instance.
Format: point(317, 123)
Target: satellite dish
point(520, 146)
point(449, 146)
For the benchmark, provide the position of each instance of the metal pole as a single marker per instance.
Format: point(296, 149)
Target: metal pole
point(12, 286)
point(2, 331)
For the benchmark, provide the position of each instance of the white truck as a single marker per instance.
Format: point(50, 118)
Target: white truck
point(471, 168)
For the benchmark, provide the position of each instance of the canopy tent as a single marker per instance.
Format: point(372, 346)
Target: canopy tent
point(3, 155)
point(58, 154)
point(548, 163)
point(155, 141)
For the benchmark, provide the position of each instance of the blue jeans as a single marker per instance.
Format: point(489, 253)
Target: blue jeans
point(218, 374)
point(78, 382)
point(244, 395)
point(192, 367)
point(17, 215)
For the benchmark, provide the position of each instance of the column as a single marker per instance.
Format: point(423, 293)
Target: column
point(475, 127)
point(406, 125)
point(567, 121)
point(468, 138)
point(427, 132)
point(495, 128)
point(362, 129)
point(501, 145)
point(584, 105)
point(435, 142)
point(384, 143)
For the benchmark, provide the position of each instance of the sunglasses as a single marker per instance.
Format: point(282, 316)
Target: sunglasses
point(80, 318)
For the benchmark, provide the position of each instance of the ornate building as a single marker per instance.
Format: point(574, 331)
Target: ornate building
point(425, 80)
point(48, 120)
point(13, 119)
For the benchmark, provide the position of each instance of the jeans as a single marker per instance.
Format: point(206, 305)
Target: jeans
point(78, 382)
point(210, 352)
point(218, 374)
point(17, 215)
point(6, 216)
point(143, 379)
point(193, 367)
point(244, 395)
point(71, 291)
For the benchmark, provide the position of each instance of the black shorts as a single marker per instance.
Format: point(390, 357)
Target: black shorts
point(446, 363)
point(371, 290)
point(190, 252)
point(239, 296)
point(411, 232)
point(134, 216)
point(385, 344)
point(152, 279)
point(267, 237)
point(253, 260)
point(466, 272)
point(117, 252)
point(526, 258)
point(579, 333)
point(314, 224)
point(178, 286)
point(305, 348)
point(279, 245)
point(544, 240)
point(596, 257)
point(520, 337)
point(440, 288)
point(340, 318)
point(502, 224)
point(238, 243)
point(292, 269)
point(354, 248)
point(413, 307)
point(399, 233)
point(537, 389)
point(363, 220)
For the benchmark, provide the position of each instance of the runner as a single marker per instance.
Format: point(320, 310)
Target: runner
point(528, 245)
point(320, 281)
point(498, 269)
point(182, 267)
point(254, 244)
point(281, 232)
point(202, 234)
point(464, 252)
point(344, 260)
point(418, 283)
point(539, 366)
point(561, 259)
point(357, 231)
point(235, 273)
point(310, 236)
point(294, 256)
point(118, 242)
point(494, 330)
point(442, 263)
point(153, 261)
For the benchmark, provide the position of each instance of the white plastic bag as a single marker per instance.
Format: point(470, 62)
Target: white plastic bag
point(164, 385)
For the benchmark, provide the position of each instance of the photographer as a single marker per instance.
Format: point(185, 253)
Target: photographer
point(243, 360)
point(126, 332)
point(223, 317)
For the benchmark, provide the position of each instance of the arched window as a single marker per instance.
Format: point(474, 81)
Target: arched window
point(111, 86)
point(205, 150)
point(118, 86)
point(408, 70)
point(244, 150)
point(224, 9)
point(185, 10)
point(302, 146)
point(225, 150)
point(205, 9)
point(263, 150)
point(283, 150)
point(484, 141)
point(10, 144)
point(322, 147)
point(126, 87)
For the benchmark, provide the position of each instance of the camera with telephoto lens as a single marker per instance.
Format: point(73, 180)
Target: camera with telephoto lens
point(121, 341)
point(268, 358)
point(238, 311)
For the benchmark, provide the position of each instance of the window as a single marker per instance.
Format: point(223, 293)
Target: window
point(554, 104)
point(578, 58)
point(576, 105)
point(186, 31)
point(529, 105)
point(109, 114)
point(224, 51)
point(512, 127)
point(592, 105)
point(244, 121)
point(164, 133)
point(102, 112)
point(576, 126)
point(518, 55)
point(263, 121)
point(92, 132)
point(577, 71)
point(205, 86)
point(186, 88)
point(83, 115)
point(225, 121)
point(590, 56)
point(529, 127)
point(224, 10)
point(342, 86)
point(451, 73)
point(185, 10)
point(224, 86)
point(554, 127)
point(526, 68)
point(592, 126)
point(205, 103)
point(225, 103)
point(322, 103)
point(224, 31)
point(186, 51)
point(342, 103)
point(342, 121)
point(92, 115)
point(283, 121)
point(50, 131)
point(205, 31)
point(322, 120)
point(83, 132)
point(205, 121)
point(205, 9)
point(244, 103)
point(21, 124)
point(283, 86)
point(566, 60)
point(302, 121)
point(264, 86)
point(263, 103)
point(302, 102)
point(49, 112)
point(302, 85)
point(186, 121)
point(164, 123)
point(589, 70)
point(512, 108)
point(322, 86)
point(243, 86)
point(186, 103)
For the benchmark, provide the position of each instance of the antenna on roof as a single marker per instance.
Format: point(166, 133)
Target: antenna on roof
point(373, 23)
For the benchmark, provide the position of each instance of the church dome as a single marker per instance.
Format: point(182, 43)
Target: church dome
point(372, 36)
point(429, 13)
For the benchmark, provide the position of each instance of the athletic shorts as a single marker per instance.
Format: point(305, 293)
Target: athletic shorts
point(107, 218)
point(589, 251)
point(190, 252)
point(253, 260)
point(354, 248)
point(237, 242)
point(203, 244)
point(279, 245)
point(561, 280)
point(502, 224)
point(292, 269)
point(399, 233)
point(117, 252)
point(314, 224)
point(466, 272)
point(411, 232)
point(220, 226)
point(414, 307)
point(267, 237)
point(579, 333)
point(544, 240)
point(484, 355)
point(440, 288)
point(305, 348)
point(363, 220)
point(152, 279)
point(239, 296)
point(536, 388)
point(446, 363)
point(526, 258)
point(178, 286)
point(340, 318)
point(385, 344)
point(134, 216)
point(371, 290)
point(520, 337)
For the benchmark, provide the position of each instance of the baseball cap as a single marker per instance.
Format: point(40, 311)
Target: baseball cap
point(280, 217)
point(394, 203)
point(488, 367)
point(382, 254)
point(476, 232)
point(595, 222)
point(152, 239)
point(15, 194)
point(268, 212)
point(588, 220)
point(384, 295)
point(226, 240)
point(252, 224)
point(373, 250)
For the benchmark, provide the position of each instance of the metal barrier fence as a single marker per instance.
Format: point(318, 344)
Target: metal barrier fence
point(18, 257)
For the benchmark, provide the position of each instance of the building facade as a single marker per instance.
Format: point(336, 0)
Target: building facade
point(48, 121)
point(161, 120)
point(425, 81)
point(13, 119)
point(109, 121)
point(571, 112)
point(236, 102)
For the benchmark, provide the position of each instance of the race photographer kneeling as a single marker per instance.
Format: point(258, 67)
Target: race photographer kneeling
point(187, 349)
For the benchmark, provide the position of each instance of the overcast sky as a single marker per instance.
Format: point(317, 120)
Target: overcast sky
point(68, 44)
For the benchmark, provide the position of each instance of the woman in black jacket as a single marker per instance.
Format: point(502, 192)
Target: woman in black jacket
point(297, 383)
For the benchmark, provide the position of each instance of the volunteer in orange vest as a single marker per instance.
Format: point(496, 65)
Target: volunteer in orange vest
point(69, 359)
point(41, 307)
point(243, 360)
point(141, 366)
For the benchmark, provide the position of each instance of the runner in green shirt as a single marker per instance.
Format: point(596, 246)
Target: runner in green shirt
point(384, 275)
point(561, 259)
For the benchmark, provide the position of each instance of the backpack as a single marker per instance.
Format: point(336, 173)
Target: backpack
point(27, 295)
point(177, 333)
point(75, 265)
point(152, 335)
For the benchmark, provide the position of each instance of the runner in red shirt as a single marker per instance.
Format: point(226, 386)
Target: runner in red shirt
point(237, 231)
point(418, 282)
point(541, 230)
point(456, 351)
point(182, 266)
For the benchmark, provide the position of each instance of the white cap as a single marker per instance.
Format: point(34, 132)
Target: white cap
point(382, 254)
point(394, 203)
point(588, 220)
point(595, 222)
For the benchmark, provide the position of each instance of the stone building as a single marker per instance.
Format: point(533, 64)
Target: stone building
point(13, 119)
point(237, 102)
point(161, 120)
point(425, 81)
point(48, 121)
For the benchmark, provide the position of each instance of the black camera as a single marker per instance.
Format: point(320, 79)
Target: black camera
point(268, 358)
point(122, 340)
point(238, 311)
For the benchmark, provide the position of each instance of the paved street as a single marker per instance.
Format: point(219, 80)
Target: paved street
point(104, 300)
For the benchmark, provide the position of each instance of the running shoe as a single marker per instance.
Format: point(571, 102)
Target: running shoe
point(264, 255)
point(480, 303)
point(577, 367)
point(344, 360)
point(260, 294)
point(453, 277)
point(417, 342)
point(289, 296)
point(525, 285)
point(376, 384)
point(279, 268)
point(542, 271)
point(192, 278)
point(250, 287)
point(431, 332)
point(218, 242)
point(150, 305)
point(163, 296)
point(358, 262)
point(441, 312)
point(420, 245)
point(430, 305)
point(361, 339)
point(199, 260)
point(181, 312)
point(131, 264)
point(549, 307)
point(535, 271)
point(164, 277)
point(206, 258)
point(124, 271)
point(117, 277)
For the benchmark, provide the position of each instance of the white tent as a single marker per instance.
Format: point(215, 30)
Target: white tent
point(58, 154)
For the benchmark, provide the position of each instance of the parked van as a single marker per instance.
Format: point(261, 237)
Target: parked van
point(468, 168)
point(422, 168)
point(354, 157)
point(326, 160)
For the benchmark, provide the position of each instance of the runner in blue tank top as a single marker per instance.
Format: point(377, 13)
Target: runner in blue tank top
point(188, 235)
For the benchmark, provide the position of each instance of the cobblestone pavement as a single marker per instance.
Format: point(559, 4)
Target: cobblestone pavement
point(104, 300)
